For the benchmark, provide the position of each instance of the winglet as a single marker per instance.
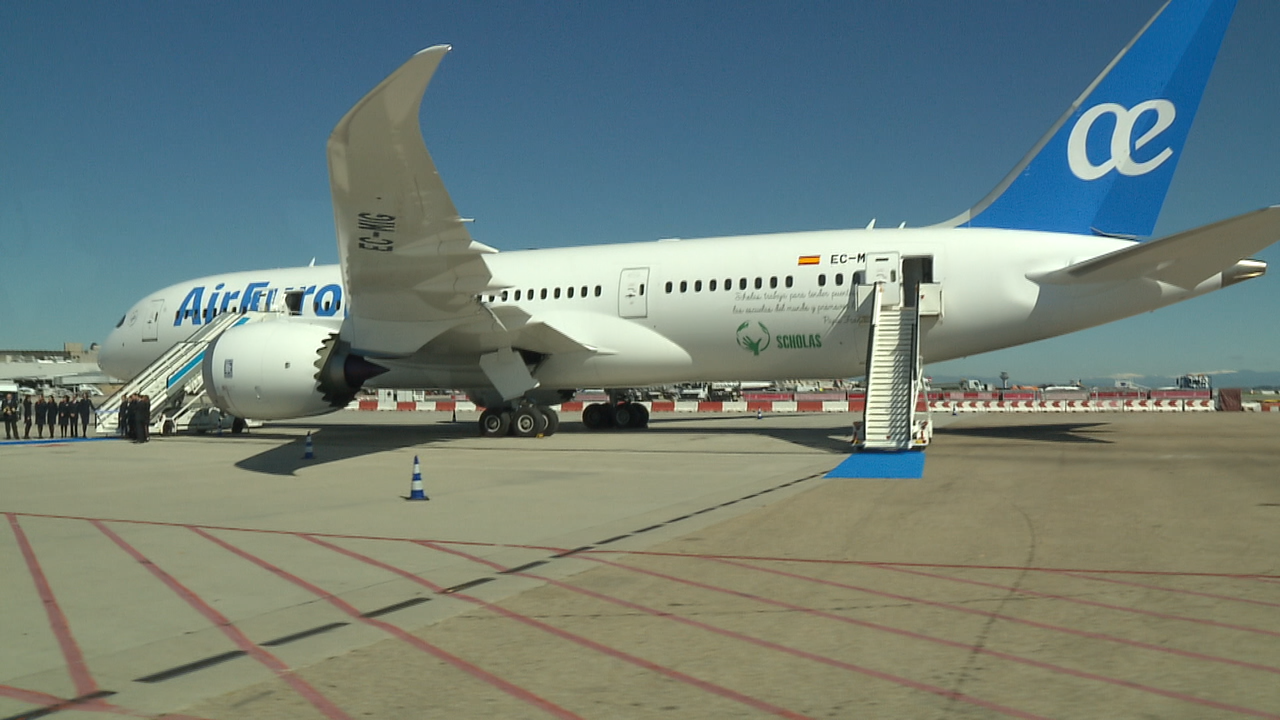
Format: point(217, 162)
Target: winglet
point(1105, 166)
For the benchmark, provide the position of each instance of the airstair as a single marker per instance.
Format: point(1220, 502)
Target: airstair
point(894, 378)
point(173, 382)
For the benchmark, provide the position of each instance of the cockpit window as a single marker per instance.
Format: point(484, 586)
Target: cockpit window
point(122, 317)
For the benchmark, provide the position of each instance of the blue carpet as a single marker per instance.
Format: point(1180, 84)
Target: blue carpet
point(908, 465)
point(57, 441)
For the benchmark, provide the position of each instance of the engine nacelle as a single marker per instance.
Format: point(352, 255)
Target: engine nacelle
point(276, 370)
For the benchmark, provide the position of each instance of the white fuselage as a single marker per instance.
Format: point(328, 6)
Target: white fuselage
point(684, 323)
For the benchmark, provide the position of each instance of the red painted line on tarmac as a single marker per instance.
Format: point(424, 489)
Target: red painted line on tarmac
point(1179, 591)
point(161, 523)
point(1091, 603)
point(710, 687)
point(220, 621)
point(895, 679)
point(76, 666)
point(880, 563)
point(48, 702)
point(344, 606)
point(942, 641)
point(1021, 621)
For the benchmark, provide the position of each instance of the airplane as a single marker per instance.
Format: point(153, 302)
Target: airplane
point(415, 302)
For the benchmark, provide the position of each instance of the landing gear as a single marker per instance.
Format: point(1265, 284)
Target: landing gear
point(495, 422)
point(523, 421)
point(624, 415)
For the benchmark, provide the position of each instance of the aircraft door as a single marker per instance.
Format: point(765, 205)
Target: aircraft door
point(883, 268)
point(633, 301)
point(151, 322)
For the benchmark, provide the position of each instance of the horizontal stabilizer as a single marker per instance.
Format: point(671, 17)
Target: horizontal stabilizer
point(1185, 260)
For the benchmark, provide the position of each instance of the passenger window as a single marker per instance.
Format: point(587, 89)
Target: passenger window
point(570, 292)
point(759, 283)
point(557, 295)
point(584, 291)
point(711, 286)
point(641, 289)
point(544, 294)
point(684, 286)
point(697, 286)
point(598, 290)
point(773, 282)
point(839, 278)
point(788, 281)
point(504, 296)
point(518, 295)
point(668, 286)
point(822, 279)
point(742, 283)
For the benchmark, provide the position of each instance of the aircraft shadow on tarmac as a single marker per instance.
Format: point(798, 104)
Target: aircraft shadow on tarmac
point(1056, 433)
point(350, 440)
point(342, 442)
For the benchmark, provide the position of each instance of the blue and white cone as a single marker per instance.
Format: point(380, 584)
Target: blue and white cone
point(415, 487)
point(309, 452)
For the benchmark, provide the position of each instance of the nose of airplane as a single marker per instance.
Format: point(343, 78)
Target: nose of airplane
point(112, 353)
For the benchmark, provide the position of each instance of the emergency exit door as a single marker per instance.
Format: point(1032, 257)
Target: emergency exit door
point(633, 301)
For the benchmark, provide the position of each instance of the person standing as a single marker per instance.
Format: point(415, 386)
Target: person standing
point(40, 412)
point(85, 406)
point(141, 419)
point(9, 414)
point(51, 414)
point(64, 416)
point(26, 417)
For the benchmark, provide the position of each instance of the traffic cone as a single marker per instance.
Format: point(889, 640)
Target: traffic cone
point(415, 486)
point(309, 452)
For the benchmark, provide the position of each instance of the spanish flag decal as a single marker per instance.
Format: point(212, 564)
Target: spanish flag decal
point(809, 259)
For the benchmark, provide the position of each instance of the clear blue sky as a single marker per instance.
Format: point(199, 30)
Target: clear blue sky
point(143, 144)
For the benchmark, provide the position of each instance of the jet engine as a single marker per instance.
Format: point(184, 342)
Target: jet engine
point(276, 370)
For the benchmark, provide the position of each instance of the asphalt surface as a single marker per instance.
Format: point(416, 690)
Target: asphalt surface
point(1073, 566)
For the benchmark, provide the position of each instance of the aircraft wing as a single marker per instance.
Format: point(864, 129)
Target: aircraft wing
point(1185, 259)
point(411, 268)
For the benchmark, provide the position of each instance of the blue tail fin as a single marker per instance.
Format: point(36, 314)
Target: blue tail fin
point(1104, 168)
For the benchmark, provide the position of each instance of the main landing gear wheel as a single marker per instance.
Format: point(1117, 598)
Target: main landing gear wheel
point(528, 421)
point(626, 415)
point(597, 416)
point(494, 422)
point(552, 418)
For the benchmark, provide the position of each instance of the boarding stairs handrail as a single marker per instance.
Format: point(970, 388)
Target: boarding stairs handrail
point(173, 375)
point(893, 375)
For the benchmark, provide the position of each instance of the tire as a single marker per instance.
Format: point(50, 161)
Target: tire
point(552, 418)
point(595, 416)
point(642, 415)
point(495, 423)
point(238, 426)
point(527, 422)
point(625, 416)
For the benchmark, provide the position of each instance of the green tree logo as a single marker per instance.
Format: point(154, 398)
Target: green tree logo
point(749, 339)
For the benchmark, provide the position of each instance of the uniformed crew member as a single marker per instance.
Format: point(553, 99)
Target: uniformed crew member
point(9, 415)
point(142, 419)
point(40, 410)
point(85, 406)
point(51, 414)
point(64, 416)
point(26, 417)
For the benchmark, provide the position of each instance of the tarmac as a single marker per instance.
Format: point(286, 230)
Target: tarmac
point(1057, 566)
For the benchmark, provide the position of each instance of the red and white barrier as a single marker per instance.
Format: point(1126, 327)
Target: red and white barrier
point(838, 406)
